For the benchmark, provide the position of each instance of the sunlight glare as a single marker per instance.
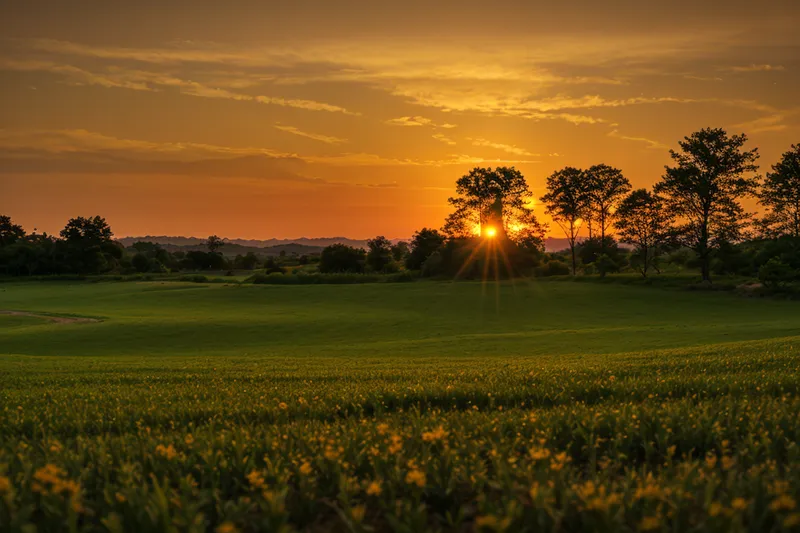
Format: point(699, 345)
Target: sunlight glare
point(491, 232)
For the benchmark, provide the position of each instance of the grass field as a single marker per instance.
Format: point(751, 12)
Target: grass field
point(548, 406)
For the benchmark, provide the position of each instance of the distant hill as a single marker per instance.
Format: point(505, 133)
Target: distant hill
point(302, 245)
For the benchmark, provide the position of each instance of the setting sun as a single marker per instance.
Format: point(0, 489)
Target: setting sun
point(491, 232)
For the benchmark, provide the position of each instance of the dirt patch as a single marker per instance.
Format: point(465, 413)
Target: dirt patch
point(51, 318)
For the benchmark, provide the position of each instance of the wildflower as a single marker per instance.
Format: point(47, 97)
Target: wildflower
point(437, 434)
point(739, 504)
point(55, 446)
point(396, 445)
point(782, 502)
point(358, 512)
point(534, 492)
point(227, 527)
point(120, 497)
point(283, 406)
point(791, 521)
point(539, 454)
point(383, 428)
point(256, 479)
point(728, 462)
point(332, 453)
point(5, 485)
point(374, 489)
point(167, 452)
point(415, 477)
point(188, 439)
point(715, 509)
point(558, 462)
point(649, 523)
point(305, 468)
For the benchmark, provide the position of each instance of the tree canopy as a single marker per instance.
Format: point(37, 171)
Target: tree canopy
point(704, 189)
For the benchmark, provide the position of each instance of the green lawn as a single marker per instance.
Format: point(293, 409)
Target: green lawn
point(552, 406)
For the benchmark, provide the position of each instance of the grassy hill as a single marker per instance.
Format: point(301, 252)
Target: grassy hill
point(406, 407)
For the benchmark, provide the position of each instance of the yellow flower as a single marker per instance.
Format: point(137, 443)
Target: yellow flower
point(739, 504)
point(168, 452)
point(283, 406)
point(791, 520)
point(120, 497)
point(715, 509)
point(332, 453)
point(396, 445)
point(227, 527)
point(649, 523)
point(305, 468)
point(358, 512)
point(374, 489)
point(534, 492)
point(437, 434)
point(256, 479)
point(188, 439)
point(415, 477)
point(783, 502)
point(383, 428)
point(539, 454)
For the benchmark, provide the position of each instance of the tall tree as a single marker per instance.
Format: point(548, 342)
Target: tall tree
point(379, 253)
point(605, 187)
point(214, 243)
point(87, 230)
point(494, 200)
point(566, 201)
point(643, 222)
point(781, 195)
point(424, 244)
point(704, 189)
point(10, 232)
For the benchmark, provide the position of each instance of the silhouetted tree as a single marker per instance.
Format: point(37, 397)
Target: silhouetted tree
point(780, 194)
point(424, 244)
point(400, 251)
point(379, 253)
point(604, 187)
point(341, 258)
point(87, 245)
point(643, 222)
point(492, 198)
point(704, 188)
point(10, 232)
point(214, 243)
point(565, 202)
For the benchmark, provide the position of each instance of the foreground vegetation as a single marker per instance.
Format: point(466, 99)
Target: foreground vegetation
point(431, 406)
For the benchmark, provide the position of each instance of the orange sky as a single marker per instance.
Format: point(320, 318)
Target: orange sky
point(317, 118)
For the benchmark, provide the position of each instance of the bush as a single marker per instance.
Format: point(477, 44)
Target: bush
point(775, 274)
point(552, 268)
point(194, 278)
point(338, 258)
point(605, 265)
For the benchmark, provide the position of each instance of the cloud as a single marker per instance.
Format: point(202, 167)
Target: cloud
point(511, 149)
point(117, 77)
point(756, 68)
point(443, 138)
point(650, 143)
point(315, 136)
point(409, 121)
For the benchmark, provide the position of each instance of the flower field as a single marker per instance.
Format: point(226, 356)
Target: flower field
point(694, 438)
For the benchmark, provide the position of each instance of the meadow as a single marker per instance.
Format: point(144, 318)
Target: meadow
point(428, 406)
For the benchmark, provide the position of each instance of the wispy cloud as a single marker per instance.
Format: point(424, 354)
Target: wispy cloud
point(443, 138)
point(756, 68)
point(409, 121)
point(328, 139)
point(511, 149)
point(649, 142)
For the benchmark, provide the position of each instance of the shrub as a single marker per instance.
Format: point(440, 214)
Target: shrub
point(776, 274)
point(552, 268)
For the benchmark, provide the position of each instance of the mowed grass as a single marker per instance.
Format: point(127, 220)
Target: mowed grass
point(397, 407)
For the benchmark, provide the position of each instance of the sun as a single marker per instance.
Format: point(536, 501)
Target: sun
point(491, 232)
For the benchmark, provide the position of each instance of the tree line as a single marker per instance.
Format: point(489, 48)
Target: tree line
point(694, 214)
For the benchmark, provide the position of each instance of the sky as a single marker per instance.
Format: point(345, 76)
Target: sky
point(355, 118)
